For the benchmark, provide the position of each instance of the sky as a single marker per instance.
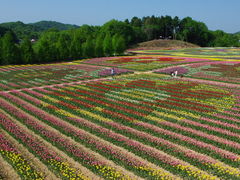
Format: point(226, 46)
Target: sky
point(216, 14)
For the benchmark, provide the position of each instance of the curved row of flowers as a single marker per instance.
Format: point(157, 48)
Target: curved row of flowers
point(16, 159)
point(56, 100)
point(54, 161)
point(78, 154)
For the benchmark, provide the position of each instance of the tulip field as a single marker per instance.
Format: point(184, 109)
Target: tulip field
point(77, 120)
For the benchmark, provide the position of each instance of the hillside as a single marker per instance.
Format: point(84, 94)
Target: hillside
point(45, 25)
point(21, 30)
point(34, 30)
point(159, 44)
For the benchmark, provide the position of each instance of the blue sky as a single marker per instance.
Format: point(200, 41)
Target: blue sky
point(217, 14)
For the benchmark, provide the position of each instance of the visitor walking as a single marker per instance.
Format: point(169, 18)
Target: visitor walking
point(112, 71)
point(174, 74)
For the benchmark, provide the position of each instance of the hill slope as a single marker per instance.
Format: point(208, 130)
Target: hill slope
point(158, 44)
point(45, 25)
point(34, 29)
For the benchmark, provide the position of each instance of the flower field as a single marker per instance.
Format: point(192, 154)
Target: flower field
point(77, 121)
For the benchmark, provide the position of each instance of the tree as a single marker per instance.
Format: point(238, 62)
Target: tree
point(27, 52)
point(99, 46)
point(62, 46)
point(75, 48)
point(10, 52)
point(107, 45)
point(135, 21)
point(118, 44)
point(117, 27)
point(194, 32)
point(222, 39)
point(46, 47)
point(88, 48)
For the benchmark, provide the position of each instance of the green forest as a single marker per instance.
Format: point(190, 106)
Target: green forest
point(54, 42)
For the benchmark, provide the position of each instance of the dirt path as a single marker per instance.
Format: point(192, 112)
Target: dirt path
point(117, 148)
point(34, 161)
point(61, 84)
point(6, 171)
point(65, 157)
point(134, 73)
point(29, 156)
point(75, 164)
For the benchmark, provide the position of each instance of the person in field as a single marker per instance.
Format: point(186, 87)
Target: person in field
point(174, 74)
point(113, 71)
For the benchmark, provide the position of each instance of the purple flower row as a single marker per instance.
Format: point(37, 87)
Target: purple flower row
point(81, 135)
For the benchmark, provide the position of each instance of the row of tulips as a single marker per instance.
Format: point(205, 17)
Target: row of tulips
point(98, 101)
point(47, 156)
point(22, 166)
point(115, 154)
point(79, 154)
point(229, 155)
point(134, 145)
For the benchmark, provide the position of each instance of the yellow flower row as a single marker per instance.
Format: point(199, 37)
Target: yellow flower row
point(51, 99)
point(168, 115)
point(221, 103)
point(92, 115)
point(111, 173)
point(129, 94)
point(196, 173)
point(157, 173)
point(22, 166)
point(181, 112)
point(66, 170)
point(65, 113)
point(226, 169)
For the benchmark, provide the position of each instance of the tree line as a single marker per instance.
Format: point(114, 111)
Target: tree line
point(110, 39)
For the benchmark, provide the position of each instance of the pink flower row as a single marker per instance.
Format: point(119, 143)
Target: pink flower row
point(211, 128)
point(211, 137)
point(80, 134)
point(158, 141)
point(223, 153)
point(20, 134)
point(202, 134)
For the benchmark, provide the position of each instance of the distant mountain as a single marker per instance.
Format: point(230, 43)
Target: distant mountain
point(21, 30)
point(33, 30)
point(45, 25)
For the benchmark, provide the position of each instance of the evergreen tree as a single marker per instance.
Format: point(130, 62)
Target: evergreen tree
point(107, 45)
point(75, 49)
point(44, 52)
point(0, 51)
point(10, 51)
point(118, 44)
point(88, 48)
point(62, 46)
point(27, 52)
point(99, 46)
